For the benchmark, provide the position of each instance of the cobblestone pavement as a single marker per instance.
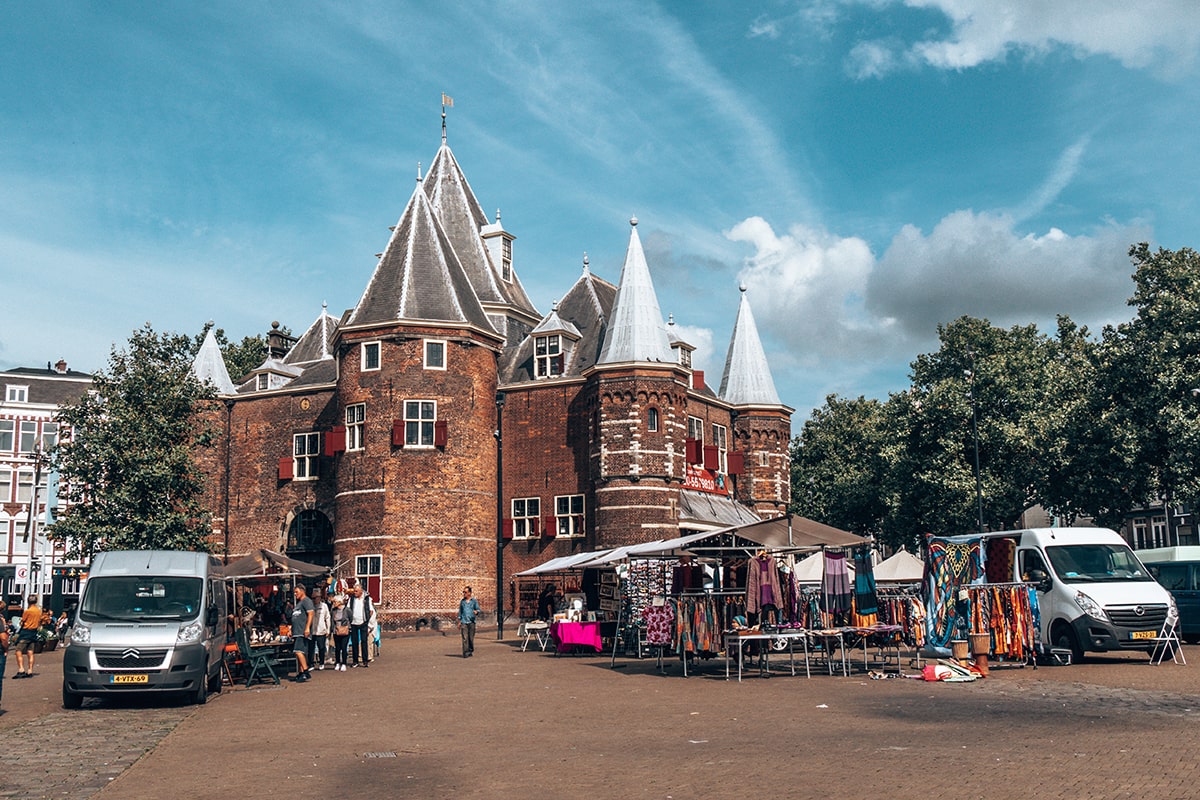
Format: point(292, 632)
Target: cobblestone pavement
point(423, 722)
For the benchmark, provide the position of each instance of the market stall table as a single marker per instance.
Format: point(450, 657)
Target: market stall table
point(570, 634)
point(736, 639)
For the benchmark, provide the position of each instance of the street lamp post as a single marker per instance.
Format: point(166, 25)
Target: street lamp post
point(499, 515)
point(975, 435)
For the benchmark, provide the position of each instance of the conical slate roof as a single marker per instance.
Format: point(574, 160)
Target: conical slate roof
point(317, 342)
point(209, 365)
point(635, 331)
point(747, 378)
point(462, 217)
point(419, 276)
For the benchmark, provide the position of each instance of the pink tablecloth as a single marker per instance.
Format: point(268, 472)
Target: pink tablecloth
point(568, 634)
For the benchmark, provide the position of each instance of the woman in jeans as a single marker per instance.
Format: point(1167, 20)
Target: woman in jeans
point(320, 635)
point(340, 625)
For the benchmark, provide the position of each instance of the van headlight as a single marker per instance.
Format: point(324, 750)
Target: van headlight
point(1172, 609)
point(80, 633)
point(1090, 607)
point(190, 633)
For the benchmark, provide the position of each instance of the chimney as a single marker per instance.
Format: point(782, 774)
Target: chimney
point(61, 367)
point(278, 342)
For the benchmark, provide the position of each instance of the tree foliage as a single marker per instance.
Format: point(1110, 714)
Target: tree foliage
point(1081, 426)
point(127, 468)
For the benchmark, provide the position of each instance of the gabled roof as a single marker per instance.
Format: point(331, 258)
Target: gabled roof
point(747, 378)
point(317, 342)
point(585, 307)
point(209, 365)
point(636, 332)
point(463, 218)
point(419, 276)
point(553, 323)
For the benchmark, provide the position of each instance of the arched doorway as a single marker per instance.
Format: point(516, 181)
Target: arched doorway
point(310, 538)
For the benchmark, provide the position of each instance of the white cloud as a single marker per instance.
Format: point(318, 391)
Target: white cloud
point(765, 28)
point(979, 264)
point(1064, 171)
point(1162, 35)
point(807, 285)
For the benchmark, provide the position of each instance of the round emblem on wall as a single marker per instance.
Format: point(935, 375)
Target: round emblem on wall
point(305, 403)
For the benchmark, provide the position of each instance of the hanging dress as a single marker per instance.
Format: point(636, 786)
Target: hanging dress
point(835, 584)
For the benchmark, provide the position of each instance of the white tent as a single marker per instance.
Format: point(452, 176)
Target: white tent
point(812, 568)
point(903, 567)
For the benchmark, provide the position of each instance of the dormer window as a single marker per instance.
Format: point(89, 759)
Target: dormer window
point(506, 258)
point(548, 356)
point(17, 394)
point(264, 382)
point(685, 358)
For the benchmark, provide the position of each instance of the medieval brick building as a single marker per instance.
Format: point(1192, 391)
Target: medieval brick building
point(443, 427)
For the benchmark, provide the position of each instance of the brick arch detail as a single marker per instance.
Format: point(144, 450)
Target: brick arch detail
point(282, 533)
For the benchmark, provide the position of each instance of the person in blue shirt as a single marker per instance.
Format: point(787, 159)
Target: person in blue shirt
point(468, 609)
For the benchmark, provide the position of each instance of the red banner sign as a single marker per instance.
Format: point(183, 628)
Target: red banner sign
point(703, 480)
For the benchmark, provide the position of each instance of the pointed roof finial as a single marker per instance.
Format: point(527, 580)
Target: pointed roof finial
point(447, 101)
point(585, 261)
point(497, 216)
point(633, 220)
point(418, 172)
point(554, 306)
point(670, 319)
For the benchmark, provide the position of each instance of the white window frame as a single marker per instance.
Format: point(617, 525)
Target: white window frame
point(569, 514)
point(506, 259)
point(15, 393)
point(418, 424)
point(721, 440)
point(652, 419)
point(8, 435)
point(364, 352)
point(6, 487)
point(28, 437)
point(763, 458)
point(434, 345)
point(24, 486)
point(696, 429)
point(548, 354)
point(262, 382)
point(49, 436)
point(521, 522)
point(356, 415)
point(306, 452)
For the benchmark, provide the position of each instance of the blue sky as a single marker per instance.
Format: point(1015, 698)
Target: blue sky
point(868, 168)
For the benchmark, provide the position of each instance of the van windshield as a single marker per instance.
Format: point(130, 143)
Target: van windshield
point(1092, 563)
point(123, 597)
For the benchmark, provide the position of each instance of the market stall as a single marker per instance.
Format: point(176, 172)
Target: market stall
point(261, 586)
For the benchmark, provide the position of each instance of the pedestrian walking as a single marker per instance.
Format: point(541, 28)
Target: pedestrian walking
point(360, 608)
point(468, 609)
point(339, 618)
point(3, 655)
point(31, 620)
point(318, 643)
point(302, 616)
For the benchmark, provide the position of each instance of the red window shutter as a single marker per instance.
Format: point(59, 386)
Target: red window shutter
point(691, 449)
point(506, 528)
point(697, 379)
point(737, 462)
point(551, 524)
point(285, 469)
point(533, 526)
point(712, 458)
point(335, 440)
point(440, 433)
point(397, 433)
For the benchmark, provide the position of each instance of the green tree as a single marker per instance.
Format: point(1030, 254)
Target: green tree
point(127, 467)
point(837, 466)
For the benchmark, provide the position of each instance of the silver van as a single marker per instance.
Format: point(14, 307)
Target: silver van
point(148, 621)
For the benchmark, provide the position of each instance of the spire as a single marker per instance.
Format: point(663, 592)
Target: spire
point(747, 377)
point(209, 365)
point(635, 331)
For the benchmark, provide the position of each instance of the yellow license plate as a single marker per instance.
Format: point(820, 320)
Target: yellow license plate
point(130, 678)
point(1143, 634)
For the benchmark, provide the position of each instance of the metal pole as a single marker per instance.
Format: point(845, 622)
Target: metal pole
point(499, 515)
point(975, 431)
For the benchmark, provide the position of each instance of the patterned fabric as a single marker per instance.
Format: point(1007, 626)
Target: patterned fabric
point(951, 565)
point(660, 624)
point(1001, 553)
point(835, 583)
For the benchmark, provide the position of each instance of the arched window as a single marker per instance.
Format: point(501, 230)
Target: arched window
point(310, 538)
point(652, 419)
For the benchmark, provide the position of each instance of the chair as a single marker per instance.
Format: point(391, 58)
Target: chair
point(231, 662)
point(1167, 643)
point(535, 629)
point(262, 664)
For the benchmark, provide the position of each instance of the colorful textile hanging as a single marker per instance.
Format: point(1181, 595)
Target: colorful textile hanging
point(951, 565)
point(835, 584)
point(865, 601)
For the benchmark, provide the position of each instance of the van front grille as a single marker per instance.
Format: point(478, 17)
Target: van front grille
point(131, 658)
point(1152, 616)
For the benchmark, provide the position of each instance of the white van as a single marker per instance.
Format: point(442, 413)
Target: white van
point(1094, 595)
point(148, 621)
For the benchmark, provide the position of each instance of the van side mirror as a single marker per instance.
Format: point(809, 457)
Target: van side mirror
point(210, 619)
